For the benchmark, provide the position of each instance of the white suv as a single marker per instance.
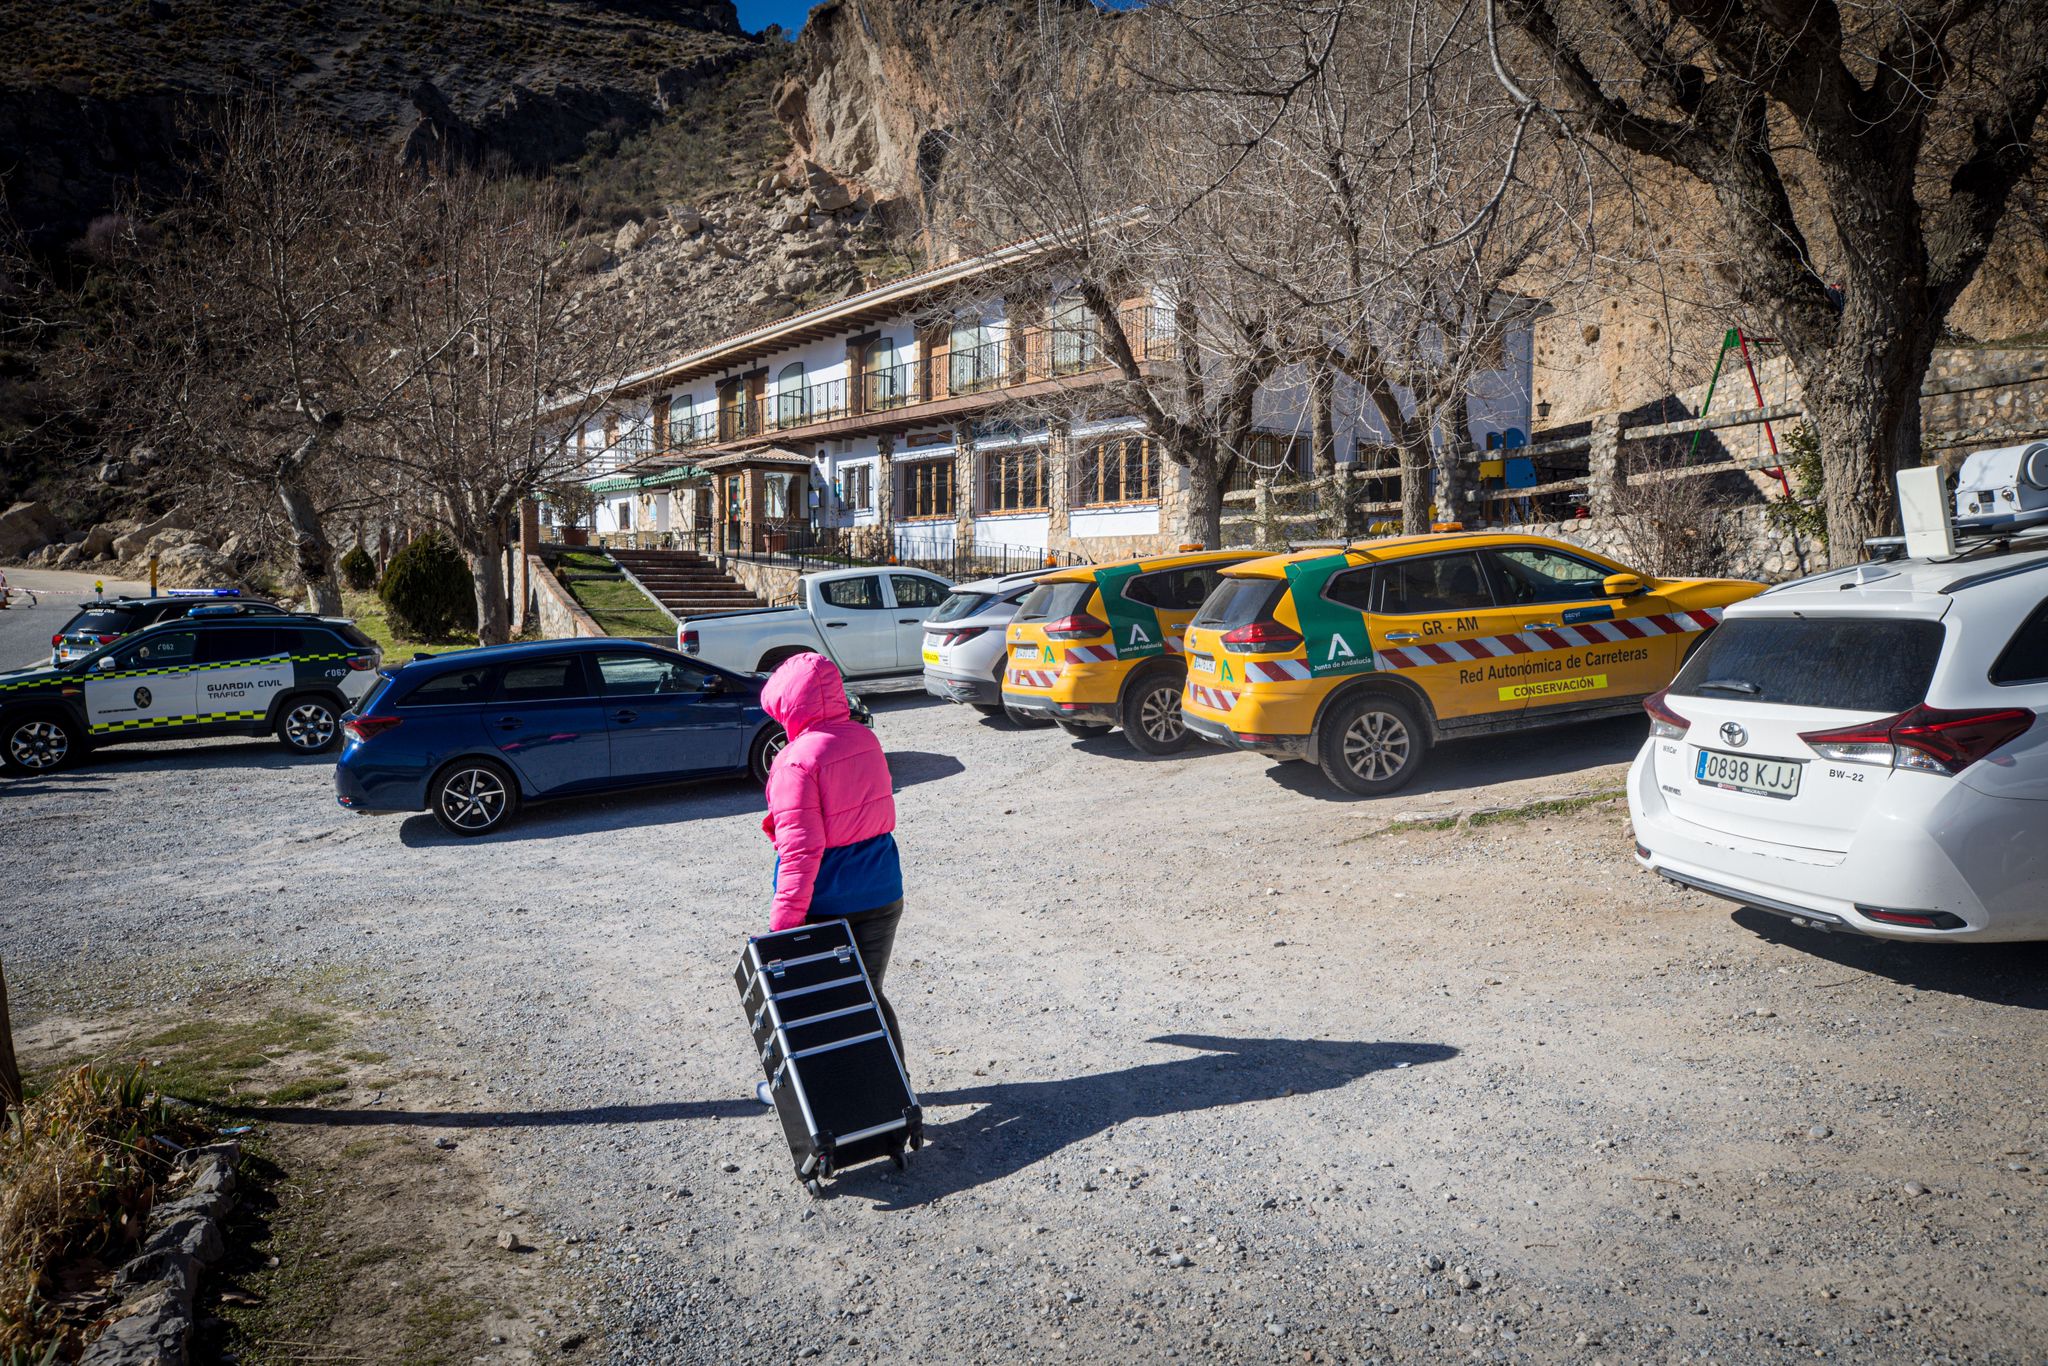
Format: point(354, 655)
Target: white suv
point(1863, 750)
point(963, 642)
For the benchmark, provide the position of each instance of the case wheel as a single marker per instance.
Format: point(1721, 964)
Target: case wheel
point(814, 1187)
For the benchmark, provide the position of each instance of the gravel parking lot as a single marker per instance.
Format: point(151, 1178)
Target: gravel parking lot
point(1216, 1066)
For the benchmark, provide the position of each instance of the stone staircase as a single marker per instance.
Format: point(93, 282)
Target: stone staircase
point(685, 582)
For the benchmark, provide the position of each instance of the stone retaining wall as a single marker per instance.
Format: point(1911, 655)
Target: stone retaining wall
point(558, 615)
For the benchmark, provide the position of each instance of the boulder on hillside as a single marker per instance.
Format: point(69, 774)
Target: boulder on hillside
point(131, 544)
point(827, 191)
point(99, 540)
point(26, 527)
point(590, 258)
point(194, 566)
point(685, 218)
point(630, 235)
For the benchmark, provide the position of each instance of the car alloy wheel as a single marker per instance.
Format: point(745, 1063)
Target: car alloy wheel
point(474, 799)
point(1159, 716)
point(309, 727)
point(776, 743)
point(1377, 745)
point(38, 746)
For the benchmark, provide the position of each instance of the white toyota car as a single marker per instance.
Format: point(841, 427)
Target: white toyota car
point(1863, 750)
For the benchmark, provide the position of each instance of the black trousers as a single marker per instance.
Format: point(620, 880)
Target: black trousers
point(874, 934)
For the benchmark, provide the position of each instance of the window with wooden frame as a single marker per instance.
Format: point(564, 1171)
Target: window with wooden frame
point(927, 488)
point(1013, 480)
point(857, 486)
point(1123, 469)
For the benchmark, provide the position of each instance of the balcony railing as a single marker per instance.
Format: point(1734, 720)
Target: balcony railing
point(1027, 356)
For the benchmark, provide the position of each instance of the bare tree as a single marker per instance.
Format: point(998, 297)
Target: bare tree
point(253, 300)
point(1862, 159)
point(1072, 150)
point(504, 361)
point(1380, 184)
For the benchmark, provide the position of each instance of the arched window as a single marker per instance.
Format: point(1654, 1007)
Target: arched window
point(792, 400)
point(883, 376)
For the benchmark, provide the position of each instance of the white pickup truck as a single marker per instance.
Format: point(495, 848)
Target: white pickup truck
point(870, 622)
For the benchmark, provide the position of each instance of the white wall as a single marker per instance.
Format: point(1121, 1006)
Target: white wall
point(1028, 529)
point(1116, 521)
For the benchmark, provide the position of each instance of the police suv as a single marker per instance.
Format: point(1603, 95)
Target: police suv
point(291, 675)
point(105, 620)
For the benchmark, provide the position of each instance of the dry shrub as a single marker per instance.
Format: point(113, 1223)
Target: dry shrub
point(1677, 526)
point(78, 1170)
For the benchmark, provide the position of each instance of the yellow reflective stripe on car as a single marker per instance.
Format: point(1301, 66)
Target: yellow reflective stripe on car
point(202, 668)
point(153, 722)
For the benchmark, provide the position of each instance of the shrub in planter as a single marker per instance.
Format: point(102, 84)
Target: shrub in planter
point(358, 570)
point(427, 589)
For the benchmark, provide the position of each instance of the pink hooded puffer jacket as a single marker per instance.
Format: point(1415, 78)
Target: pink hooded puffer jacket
point(831, 809)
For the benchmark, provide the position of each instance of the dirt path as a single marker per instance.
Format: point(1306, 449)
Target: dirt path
point(1212, 1069)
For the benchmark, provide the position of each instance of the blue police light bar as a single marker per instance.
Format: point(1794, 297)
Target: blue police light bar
point(224, 610)
point(202, 592)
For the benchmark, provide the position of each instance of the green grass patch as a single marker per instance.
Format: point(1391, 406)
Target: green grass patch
point(294, 1092)
point(369, 615)
point(614, 603)
point(215, 1061)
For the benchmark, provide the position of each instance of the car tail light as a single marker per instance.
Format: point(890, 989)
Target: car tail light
point(106, 639)
point(963, 635)
point(1665, 724)
point(362, 663)
point(1262, 638)
point(1923, 738)
point(1079, 626)
point(689, 640)
point(1919, 920)
point(363, 729)
point(56, 640)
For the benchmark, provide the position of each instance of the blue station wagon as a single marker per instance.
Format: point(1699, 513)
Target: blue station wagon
point(472, 735)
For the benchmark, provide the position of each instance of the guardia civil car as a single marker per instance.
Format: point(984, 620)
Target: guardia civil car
point(291, 676)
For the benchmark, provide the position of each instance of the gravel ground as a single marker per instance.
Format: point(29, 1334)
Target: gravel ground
point(1212, 1069)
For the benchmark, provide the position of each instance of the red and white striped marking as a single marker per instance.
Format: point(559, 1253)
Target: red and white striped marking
point(1215, 699)
point(1275, 670)
point(1533, 642)
point(1033, 678)
point(1091, 654)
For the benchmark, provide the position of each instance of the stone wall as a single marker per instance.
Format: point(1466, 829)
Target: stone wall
point(1740, 543)
point(774, 584)
point(558, 615)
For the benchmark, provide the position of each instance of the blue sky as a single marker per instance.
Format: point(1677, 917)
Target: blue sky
point(756, 15)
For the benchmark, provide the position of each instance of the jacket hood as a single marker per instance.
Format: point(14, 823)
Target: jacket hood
point(805, 692)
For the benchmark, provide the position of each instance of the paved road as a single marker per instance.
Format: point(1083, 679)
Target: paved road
point(25, 632)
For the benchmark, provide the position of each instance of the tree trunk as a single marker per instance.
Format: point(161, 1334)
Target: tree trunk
point(487, 573)
point(1416, 455)
point(1322, 427)
point(1202, 521)
point(314, 554)
point(1863, 398)
point(10, 1069)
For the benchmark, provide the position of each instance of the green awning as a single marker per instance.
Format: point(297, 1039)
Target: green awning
point(620, 483)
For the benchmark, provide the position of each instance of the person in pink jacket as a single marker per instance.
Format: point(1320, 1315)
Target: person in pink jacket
point(832, 817)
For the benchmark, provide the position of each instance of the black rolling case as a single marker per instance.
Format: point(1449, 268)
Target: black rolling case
point(839, 1088)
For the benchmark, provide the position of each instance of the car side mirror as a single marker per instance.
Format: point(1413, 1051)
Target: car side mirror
point(713, 686)
point(1623, 585)
point(104, 662)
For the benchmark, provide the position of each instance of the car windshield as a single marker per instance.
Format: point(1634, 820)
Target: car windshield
point(1049, 600)
point(1877, 664)
point(959, 605)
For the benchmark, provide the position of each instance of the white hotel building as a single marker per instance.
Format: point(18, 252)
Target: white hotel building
point(866, 423)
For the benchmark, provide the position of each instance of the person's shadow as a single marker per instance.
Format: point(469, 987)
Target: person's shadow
point(1021, 1123)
